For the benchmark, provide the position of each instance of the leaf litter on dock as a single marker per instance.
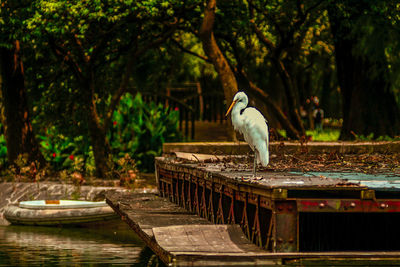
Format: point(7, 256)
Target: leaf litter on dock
point(369, 163)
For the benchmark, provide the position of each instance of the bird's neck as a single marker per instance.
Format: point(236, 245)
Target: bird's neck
point(238, 108)
point(237, 114)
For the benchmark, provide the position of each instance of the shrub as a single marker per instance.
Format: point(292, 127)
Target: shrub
point(139, 130)
point(66, 153)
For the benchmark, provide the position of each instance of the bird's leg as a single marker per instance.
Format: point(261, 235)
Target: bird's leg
point(255, 164)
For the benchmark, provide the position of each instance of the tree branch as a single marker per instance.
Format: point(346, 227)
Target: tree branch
point(66, 56)
point(303, 14)
point(253, 6)
point(268, 43)
point(188, 51)
point(86, 58)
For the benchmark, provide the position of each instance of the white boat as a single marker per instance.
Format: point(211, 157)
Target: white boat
point(58, 212)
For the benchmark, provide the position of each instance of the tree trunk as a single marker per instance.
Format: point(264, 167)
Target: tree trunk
point(369, 106)
point(213, 52)
point(99, 145)
point(291, 97)
point(97, 132)
point(18, 128)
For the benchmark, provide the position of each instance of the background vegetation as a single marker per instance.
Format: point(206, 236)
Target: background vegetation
point(67, 67)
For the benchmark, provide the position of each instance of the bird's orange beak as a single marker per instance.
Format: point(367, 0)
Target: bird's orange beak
point(230, 108)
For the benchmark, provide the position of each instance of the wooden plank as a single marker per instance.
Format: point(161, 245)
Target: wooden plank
point(143, 212)
point(198, 238)
point(147, 211)
point(201, 157)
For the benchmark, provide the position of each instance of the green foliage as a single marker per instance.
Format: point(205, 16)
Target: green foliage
point(3, 146)
point(64, 152)
point(65, 43)
point(327, 135)
point(140, 129)
point(3, 149)
point(331, 135)
point(370, 137)
point(82, 54)
point(138, 132)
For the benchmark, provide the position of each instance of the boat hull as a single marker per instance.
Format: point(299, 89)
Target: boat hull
point(57, 217)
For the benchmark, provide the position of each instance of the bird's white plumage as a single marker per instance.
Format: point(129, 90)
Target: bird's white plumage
point(252, 124)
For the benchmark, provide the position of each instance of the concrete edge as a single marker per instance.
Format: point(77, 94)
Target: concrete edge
point(239, 148)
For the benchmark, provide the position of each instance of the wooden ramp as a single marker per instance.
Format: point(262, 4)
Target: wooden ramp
point(181, 238)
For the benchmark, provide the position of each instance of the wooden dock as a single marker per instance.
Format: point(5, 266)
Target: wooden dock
point(286, 212)
point(181, 238)
point(209, 212)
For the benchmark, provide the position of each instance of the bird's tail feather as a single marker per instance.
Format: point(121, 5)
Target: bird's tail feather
point(263, 157)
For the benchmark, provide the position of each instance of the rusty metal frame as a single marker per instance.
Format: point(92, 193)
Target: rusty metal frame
point(220, 212)
point(231, 214)
point(256, 230)
point(245, 220)
point(285, 226)
point(210, 209)
point(206, 194)
point(196, 202)
point(203, 203)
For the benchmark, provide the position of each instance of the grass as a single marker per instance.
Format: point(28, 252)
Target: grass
point(331, 135)
point(324, 135)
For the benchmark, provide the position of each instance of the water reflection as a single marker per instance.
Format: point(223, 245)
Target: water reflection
point(113, 244)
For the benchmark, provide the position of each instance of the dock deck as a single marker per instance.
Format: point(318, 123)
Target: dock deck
point(209, 212)
point(288, 211)
point(181, 238)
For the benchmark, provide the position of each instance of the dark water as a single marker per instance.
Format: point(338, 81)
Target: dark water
point(112, 244)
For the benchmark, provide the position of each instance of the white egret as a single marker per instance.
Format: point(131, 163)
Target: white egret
point(252, 124)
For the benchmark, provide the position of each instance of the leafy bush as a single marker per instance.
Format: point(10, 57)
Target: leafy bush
point(3, 150)
point(64, 152)
point(139, 129)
